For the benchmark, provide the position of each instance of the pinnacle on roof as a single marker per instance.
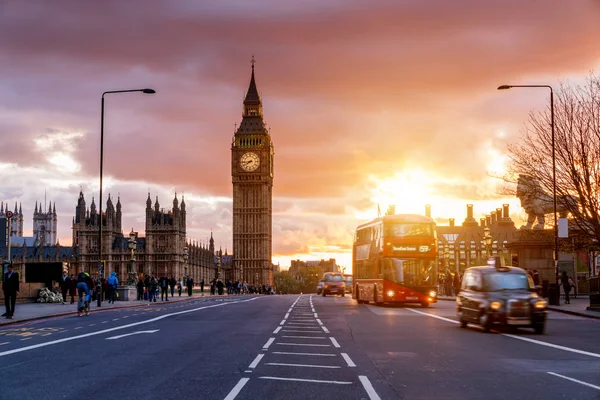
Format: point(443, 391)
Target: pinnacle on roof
point(35, 212)
point(252, 96)
point(20, 210)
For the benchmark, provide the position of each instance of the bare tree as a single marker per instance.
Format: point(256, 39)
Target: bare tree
point(577, 144)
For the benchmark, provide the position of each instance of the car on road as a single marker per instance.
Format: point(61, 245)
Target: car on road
point(333, 283)
point(498, 296)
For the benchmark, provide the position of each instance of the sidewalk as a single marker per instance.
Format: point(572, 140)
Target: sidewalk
point(32, 311)
point(577, 307)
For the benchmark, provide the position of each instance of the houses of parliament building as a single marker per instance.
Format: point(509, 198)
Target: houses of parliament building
point(164, 250)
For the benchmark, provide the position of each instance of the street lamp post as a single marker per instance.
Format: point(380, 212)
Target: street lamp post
point(555, 253)
point(487, 240)
point(100, 264)
point(132, 245)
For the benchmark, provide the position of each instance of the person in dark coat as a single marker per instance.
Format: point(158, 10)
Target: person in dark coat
point(566, 284)
point(190, 285)
point(65, 285)
point(10, 286)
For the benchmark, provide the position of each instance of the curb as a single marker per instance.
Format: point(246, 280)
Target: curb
point(580, 314)
point(2, 324)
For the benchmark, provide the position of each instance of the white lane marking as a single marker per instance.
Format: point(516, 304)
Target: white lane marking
point(302, 331)
point(316, 315)
point(369, 388)
point(277, 330)
point(335, 342)
point(303, 344)
point(302, 319)
point(290, 310)
point(575, 380)
point(301, 323)
point(269, 342)
point(319, 321)
point(525, 339)
point(282, 322)
point(116, 328)
point(304, 328)
point(555, 346)
point(348, 360)
point(433, 316)
point(248, 371)
point(256, 361)
point(305, 365)
point(325, 329)
point(132, 333)
point(286, 316)
point(305, 337)
point(237, 388)
point(305, 354)
point(304, 314)
point(304, 380)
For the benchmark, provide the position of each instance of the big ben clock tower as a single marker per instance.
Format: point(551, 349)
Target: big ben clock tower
point(252, 178)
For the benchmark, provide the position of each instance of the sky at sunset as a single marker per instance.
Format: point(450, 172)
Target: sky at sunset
point(368, 102)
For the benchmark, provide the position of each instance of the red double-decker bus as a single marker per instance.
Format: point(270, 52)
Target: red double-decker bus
point(394, 260)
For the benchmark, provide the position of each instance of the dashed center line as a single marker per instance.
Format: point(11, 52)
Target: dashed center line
point(256, 361)
point(335, 342)
point(269, 342)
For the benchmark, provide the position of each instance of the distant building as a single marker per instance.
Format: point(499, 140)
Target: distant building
point(459, 247)
point(303, 268)
point(45, 224)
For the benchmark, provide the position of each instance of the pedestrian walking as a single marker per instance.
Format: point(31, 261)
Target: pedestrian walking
point(65, 285)
point(172, 283)
point(566, 281)
point(164, 288)
point(112, 283)
point(202, 286)
point(10, 286)
point(140, 289)
point(179, 288)
point(190, 285)
point(73, 288)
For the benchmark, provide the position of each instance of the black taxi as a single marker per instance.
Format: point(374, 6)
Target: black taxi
point(498, 295)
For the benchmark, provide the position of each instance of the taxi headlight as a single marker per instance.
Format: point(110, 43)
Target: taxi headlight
point(432, 293)
point(495, 305)
point(540, 305)
point(390, 293)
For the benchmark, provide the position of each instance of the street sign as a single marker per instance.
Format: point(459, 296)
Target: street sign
point(9, 214)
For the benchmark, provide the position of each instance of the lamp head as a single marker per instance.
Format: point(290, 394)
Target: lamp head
point(504, 87)
point(148, 91)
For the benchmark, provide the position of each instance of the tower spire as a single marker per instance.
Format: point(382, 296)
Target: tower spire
point(252, 97)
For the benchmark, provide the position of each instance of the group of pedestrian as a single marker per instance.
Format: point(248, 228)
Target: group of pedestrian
point(149, 287)
point(449, 284)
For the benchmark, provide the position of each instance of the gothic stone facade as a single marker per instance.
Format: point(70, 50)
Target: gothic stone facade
point(160, 253)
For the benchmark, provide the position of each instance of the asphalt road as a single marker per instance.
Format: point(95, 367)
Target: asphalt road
point(294, 347)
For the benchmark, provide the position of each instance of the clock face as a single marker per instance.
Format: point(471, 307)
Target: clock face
point(249, 161)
